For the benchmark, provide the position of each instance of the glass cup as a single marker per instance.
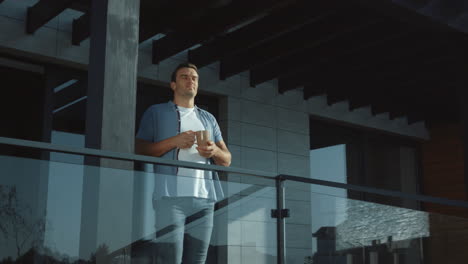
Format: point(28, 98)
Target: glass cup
point(202, 137)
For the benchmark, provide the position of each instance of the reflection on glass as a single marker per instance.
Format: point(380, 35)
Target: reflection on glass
point(328, 164)
point(19, 227)
point(366, 233)
point(66, 222)
point(239, 227)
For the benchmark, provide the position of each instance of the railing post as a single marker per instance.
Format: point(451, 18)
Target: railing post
point(280, 223)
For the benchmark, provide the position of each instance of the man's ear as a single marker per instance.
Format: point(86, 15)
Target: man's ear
point(173, 84)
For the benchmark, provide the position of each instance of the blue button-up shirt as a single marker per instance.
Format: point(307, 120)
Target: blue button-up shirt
point(162, 121)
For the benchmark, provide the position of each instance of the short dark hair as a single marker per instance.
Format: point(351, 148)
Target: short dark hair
point(180, 66)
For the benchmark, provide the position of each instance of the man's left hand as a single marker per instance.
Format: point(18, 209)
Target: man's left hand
point(208, 150)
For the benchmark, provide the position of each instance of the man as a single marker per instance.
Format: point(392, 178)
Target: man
point(168, 131)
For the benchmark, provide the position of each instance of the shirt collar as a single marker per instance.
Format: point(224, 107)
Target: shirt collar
point(172, 104)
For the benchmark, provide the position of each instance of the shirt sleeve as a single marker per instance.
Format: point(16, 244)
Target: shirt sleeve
point(146, 129)
point(216, 131)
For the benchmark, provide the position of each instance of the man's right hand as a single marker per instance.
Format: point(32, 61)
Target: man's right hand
point(185, 139)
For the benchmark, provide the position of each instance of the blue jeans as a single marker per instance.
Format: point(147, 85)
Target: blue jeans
point(183, 229)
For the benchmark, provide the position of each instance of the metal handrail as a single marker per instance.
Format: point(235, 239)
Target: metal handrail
point(130, 157)
point(359, 188)
point(254, 173)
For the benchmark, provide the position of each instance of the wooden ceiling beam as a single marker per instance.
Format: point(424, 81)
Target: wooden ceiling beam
point(155, 17)
point(43, 11)
point(163, 16)
point(358, 102)
point(311, 91)
point(381, 108)
point(313, 75)
point(413, 46)
point(328, 50)
point(415, 117)
point(383, 99)
point(275, 24)
point(347, 81)
point(394, 41)
point(401, 112)
point(298, 43)
point(81, 5)
point(81, 29)
point(226, 17)
point(430, 105)
point(335, 98)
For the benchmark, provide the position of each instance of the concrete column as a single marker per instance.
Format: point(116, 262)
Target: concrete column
point(110, 125)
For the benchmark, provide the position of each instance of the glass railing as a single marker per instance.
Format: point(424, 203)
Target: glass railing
point(63, 211)
point(60, 210)
point(325, 226)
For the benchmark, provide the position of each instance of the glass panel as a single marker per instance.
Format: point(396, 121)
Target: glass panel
point(326, 227)
point(63, 212)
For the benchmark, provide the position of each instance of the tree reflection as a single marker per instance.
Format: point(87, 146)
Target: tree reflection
point(34, 255)
point(25, 231)
point(17, 222)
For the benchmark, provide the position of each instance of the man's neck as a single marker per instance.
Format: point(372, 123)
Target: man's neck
point(187, 103)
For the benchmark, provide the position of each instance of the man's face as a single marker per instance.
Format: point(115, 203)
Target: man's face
point(186, 84)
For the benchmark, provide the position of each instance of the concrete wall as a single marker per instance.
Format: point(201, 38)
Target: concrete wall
point(264, 130)
point(264, 134)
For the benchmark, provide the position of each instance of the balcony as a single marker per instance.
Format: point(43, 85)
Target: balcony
point(66, 212)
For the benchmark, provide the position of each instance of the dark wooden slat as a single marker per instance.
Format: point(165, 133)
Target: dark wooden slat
point(429, 99)
point(300, 60)
point(407, 39)
point(389, 71)
point(415, 111)
point(81, 5)
point(226, 17)
point(420, 46)
point(377, 109)
point(379, 105)
point(311, 91)
point(398, 113)
point(81, 29)
point(312, 77)
point(155, 17)
point(152, 23)
point(273, 25)
point(333, 99)
point(358, 102)
point(173, 44)
point(42, 12)
point(305, 78)
point(399, 106)
point(295, 42)
point(414, 73)
point(166, 16)
point(415, 117)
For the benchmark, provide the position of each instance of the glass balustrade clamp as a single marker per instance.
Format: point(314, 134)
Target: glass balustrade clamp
point(280, 213)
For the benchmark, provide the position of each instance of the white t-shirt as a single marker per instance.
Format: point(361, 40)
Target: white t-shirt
point(191, 182)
